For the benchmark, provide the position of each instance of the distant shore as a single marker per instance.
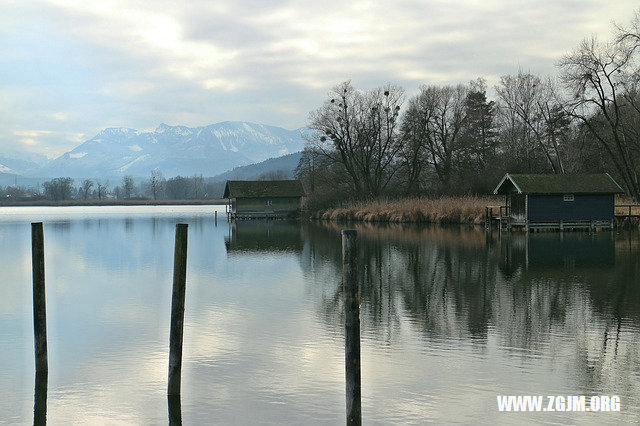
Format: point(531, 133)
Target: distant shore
point(48, 203)
point(443, 210)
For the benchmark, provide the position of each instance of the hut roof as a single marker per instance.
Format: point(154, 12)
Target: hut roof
point(263, 188)
point(600, 183)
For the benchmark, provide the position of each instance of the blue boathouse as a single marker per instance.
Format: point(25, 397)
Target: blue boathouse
point(559, 200)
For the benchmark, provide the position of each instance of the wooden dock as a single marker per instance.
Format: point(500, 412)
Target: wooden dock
point(498, 216)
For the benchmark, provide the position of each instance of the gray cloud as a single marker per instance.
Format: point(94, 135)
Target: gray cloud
point(70, 69)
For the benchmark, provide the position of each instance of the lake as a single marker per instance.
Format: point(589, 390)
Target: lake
point(451, 317)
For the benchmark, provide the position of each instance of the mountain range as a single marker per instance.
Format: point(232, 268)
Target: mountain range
point(284, 165)
point(173, 150)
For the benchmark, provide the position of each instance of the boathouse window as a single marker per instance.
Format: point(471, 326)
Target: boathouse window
point(568, 197)
point(268, 203)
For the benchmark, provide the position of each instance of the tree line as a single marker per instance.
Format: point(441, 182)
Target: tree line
point(453, 139)
point(156, 187)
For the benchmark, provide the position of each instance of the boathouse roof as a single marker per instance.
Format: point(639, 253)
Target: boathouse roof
point(263, 188)
point(600, 183)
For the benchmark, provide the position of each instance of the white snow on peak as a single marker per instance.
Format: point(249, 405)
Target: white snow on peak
point(182, 131)
point(178, 130)
point(4, 169)
point(135, 148)
point(124, 130)
point(77, 154)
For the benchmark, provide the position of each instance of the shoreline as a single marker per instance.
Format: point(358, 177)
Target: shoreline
point(79, 203)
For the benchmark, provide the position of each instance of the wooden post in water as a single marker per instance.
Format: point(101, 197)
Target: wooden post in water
point(351, 326)
point(175, 410)
point(177, 309)
point(40, 399)
point(39, 299)
point(216, 217)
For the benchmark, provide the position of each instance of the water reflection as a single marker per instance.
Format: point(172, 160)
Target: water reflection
point(574, 296)
point(261, 236)
point(450, 317)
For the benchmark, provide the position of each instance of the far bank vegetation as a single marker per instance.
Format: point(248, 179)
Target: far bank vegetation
point(442, 210)
point(380, 155)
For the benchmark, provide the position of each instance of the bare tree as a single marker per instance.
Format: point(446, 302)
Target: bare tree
point(536, 114)
point(359, 130)
point(156, 183)
point(629, 36)
point(595, 75)
point(59, 189)
point(306, 168)
point(87, 184)
point(436, 117)
point(102, 189)
point(127, 186)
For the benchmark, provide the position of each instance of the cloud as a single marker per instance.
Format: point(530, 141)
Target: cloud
point(76, 67)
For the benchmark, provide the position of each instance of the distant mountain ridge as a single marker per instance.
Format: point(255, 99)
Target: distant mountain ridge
point(285, 165)
point(174, 150)
point(16, 166)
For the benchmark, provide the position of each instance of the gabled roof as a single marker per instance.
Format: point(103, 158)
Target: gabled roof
point(600, 183)
point(263, 188)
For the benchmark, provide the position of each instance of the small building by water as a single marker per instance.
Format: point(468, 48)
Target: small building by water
point(559, 200)
point(263, 198)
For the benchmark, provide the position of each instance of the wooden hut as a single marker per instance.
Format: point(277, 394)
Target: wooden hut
point(559, 201)
point(263, 198)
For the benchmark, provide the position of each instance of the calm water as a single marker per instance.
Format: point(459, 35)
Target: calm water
point(450, 319)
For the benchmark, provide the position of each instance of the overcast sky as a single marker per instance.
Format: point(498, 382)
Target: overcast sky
point(71, 68)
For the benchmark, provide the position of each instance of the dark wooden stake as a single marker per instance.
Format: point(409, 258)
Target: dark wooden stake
point(175, 410)
point(177, 309)
point(351, 326)
point(39, 299)
point(40, 399)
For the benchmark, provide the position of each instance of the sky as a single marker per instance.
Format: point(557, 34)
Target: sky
point(69, 68)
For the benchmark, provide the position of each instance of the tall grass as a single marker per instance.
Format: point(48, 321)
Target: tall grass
point(466, 209)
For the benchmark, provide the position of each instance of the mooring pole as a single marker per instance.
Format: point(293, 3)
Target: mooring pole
point(177, 309)
point(39, 299)
point(216, 217)
point(351, 326)
point(175, 410)
point(40, 399)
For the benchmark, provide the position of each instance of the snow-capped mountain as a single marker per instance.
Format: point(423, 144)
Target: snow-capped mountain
point(174, 150)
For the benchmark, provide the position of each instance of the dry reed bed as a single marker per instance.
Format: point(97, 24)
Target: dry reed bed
point(444, 210)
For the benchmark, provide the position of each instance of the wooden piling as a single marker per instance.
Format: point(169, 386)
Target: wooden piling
point(177, 309)
point(39, 299)
point(352, 326)
point(40, 399)
point(175, 410)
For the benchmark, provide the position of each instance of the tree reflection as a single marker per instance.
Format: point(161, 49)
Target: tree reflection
point(528, 290)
